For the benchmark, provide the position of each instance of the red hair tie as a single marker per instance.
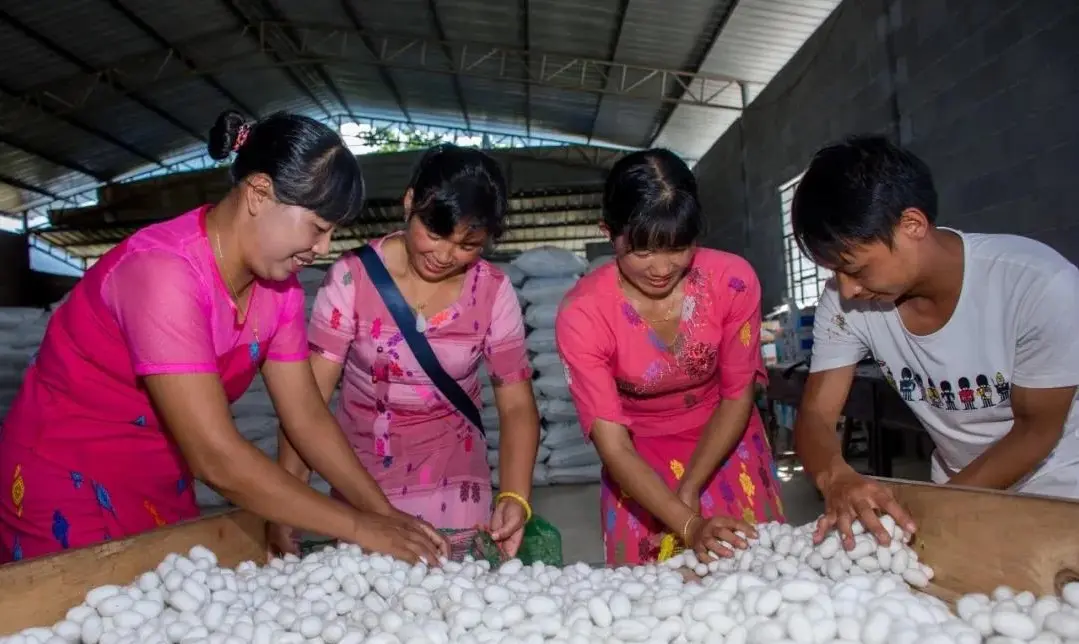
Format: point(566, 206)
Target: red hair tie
point(241, 136)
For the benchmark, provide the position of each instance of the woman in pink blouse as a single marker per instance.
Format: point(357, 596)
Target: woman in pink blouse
point(429, 459)
point(128, 399)
point(662, 353)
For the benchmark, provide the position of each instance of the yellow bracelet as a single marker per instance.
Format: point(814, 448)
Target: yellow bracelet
point(685, 528)
point(523, 502)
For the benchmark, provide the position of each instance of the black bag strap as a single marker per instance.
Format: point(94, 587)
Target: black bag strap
point(417, 342)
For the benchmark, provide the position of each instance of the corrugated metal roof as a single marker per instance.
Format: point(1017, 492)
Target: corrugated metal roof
point(605, 70)
point(757, 41)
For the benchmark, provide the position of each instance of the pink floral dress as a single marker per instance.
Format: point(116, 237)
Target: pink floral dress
point(428, 458)
point(620, 370)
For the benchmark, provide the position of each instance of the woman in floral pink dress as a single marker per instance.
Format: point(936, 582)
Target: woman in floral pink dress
point(428, 458)
point(662, 353)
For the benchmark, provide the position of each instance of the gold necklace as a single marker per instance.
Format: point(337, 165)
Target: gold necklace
point(236, 297)
point(666, 317)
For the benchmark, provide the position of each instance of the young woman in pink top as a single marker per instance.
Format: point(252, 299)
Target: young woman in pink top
point(662, 353)
point(429, 459)
point(128, 400)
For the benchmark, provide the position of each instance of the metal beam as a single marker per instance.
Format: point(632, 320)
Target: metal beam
point(724, 16)
point(15, 182)
point(268, 7)
point(131, 93)
point(39, 109)
point(448, 51)
point(344, 50)
point(164, 43)
point(51, 158)
point(623, 11)
point(383, 73)
point(250, 30)
point(526, 38)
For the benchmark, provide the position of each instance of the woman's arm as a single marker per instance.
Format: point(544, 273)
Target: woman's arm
point(586, 345)
point(300, 391)
point(739, 365)
point(637, 478)
point(196, 412)
point(507, 363)
point(519, 437)
point(722, 434)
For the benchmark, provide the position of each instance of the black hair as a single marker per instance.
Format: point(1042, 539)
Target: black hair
point(855, 192)
point(650, 198)
point(453, 186)
point(308, 162)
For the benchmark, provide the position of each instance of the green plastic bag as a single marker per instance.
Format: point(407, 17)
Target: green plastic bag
point(542, 542)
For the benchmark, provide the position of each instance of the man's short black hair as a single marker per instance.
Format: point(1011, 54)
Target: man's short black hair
point(854, 193)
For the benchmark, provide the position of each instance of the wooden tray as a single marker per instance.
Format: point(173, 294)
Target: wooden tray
point(974, 539)
point(39, 592)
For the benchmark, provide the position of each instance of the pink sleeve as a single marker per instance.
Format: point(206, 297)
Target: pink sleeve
point(333, 321)
point(504, 347)
point(740, 360)
point(586, 345)
point(289, 343)
point(162, 307)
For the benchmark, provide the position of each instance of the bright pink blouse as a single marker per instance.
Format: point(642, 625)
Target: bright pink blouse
point(155, 304)
point(619, 370)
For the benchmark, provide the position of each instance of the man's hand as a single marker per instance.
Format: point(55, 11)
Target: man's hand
point(849, 496)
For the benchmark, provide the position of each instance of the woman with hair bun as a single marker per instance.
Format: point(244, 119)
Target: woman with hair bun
point(662, 354)
point(128, 399)
point(417, 434)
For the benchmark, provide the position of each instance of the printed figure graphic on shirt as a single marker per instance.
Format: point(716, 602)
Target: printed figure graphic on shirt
point(966, 394)
point(887, 374)
point(985, 392)
point(947, 395)
point(906, 384)
point(1003, 386)
point(933, 394)
point(921, 386)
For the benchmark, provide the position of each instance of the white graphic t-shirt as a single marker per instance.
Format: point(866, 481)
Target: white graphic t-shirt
point(1016, 323)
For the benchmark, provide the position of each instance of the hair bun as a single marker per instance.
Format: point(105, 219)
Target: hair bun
point(224, 134)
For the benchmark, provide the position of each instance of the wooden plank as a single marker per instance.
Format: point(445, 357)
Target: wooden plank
point(39, 592)
point(976, 539)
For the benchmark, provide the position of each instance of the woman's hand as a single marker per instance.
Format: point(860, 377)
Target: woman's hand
point(691, 496)
point(437, 537)
point(707, 536)
point(400, 536)
point(508, 526)
point(280, 540)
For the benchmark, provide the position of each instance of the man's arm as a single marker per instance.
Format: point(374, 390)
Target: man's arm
point(1039, 423)
point(815, 440)
point(1044, 380)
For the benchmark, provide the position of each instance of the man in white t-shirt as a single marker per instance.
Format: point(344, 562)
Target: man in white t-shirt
point(978, 333)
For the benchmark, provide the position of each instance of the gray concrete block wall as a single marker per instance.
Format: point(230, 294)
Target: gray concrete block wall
point(986, 92)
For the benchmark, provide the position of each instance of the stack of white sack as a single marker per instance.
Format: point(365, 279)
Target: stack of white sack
point(21, 332)
point(551, 273)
